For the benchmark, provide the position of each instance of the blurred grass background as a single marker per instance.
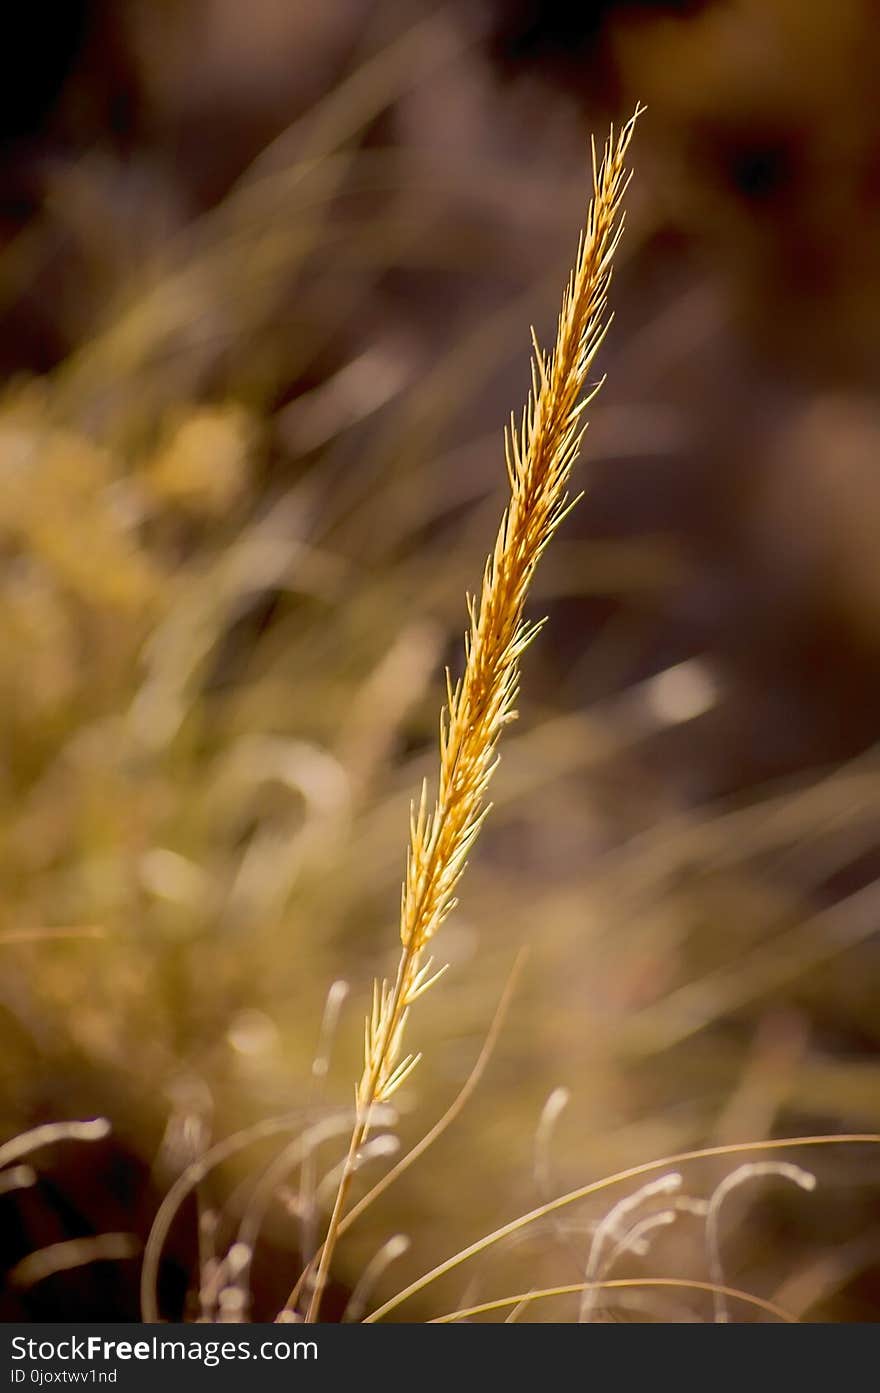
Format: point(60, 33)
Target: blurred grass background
point(266, 282)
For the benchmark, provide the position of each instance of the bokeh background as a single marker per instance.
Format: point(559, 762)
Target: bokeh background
point(267, 274)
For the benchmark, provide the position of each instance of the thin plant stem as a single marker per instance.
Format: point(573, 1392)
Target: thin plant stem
point(595, 1187)
point(434, 1133)
point(540, 454)
point(525, 1298)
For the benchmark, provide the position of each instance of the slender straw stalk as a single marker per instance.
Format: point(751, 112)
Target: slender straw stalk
point(540, 454)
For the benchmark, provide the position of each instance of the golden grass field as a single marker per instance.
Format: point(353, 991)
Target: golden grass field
point(264, 332)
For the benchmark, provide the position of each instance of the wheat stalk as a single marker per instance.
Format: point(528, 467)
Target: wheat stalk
point(540, 454)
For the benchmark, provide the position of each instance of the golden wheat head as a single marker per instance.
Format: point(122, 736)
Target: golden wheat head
point(540, 453)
